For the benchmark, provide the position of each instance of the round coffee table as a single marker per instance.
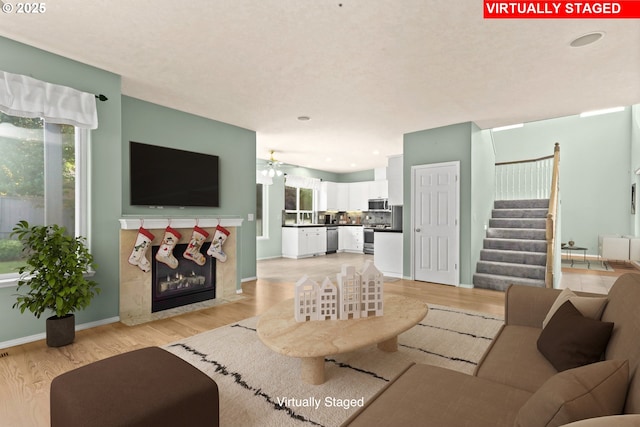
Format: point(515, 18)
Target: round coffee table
point(313, 340)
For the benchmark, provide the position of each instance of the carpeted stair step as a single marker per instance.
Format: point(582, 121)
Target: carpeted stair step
point(519, 257)
point(516, 245)
point(517, 233)
point(511, 269)
point(539, 223)
point(522, 204)
point(519, 213)
point(501, 283)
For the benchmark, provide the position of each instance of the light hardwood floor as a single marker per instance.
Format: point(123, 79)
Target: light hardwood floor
point(26, 371)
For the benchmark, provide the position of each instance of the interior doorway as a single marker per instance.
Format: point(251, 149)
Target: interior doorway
point(435, 231)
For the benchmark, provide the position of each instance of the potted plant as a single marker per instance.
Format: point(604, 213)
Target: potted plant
point(54, 275)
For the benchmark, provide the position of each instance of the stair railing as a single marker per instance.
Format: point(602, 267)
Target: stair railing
point(524, 179)
point(552, 217)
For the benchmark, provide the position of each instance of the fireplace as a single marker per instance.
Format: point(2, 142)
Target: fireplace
point(187, 284)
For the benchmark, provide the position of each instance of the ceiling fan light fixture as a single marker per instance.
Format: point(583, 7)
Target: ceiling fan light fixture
point(587, 39)
point(273, 166)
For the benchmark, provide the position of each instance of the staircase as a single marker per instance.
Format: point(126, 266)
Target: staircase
point(515, 249)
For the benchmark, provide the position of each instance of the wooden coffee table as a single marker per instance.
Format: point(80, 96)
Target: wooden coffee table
point(313, 340)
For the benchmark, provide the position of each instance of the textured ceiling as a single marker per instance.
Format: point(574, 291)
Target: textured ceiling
point(365, 71)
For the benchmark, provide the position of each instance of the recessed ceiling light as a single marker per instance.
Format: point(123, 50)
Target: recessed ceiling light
point(376, 152)
point(304, 118)
point(587, 39)
point(353, 165)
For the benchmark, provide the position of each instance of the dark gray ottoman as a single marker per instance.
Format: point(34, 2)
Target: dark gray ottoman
point(149, 387)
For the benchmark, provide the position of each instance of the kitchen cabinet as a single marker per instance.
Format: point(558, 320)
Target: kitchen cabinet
point(358, 196)
point(333, 196)
point(300, 242)
point(387, 253)
point(351, 239)
point(395, 180)
point(350, 196)
point(378, 189)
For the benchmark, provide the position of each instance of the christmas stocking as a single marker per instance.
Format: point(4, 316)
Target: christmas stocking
point(139, 255)
point(165, 252)
point(193, 249)
point(215, 250)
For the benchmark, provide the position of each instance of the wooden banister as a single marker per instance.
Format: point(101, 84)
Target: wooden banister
point(525, 161)
point(552, 216)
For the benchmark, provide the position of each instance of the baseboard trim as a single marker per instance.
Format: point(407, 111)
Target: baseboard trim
point(41, 336)
point(248, 279)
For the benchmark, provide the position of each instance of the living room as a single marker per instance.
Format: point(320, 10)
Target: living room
point(598, 157)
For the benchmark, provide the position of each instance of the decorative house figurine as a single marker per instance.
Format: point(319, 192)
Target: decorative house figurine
point(306, 299)
point(357, 295)
point(349, 290)
point(328, 301)
point(371, 283)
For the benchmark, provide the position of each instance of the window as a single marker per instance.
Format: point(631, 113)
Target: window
point(41, 181)
point(261, 210)
point(300, 202)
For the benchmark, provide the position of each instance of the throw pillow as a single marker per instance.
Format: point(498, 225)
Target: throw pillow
point(571, 340)
point(594, 390)
point(591, 307)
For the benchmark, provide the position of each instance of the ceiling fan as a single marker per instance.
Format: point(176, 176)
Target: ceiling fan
point(273, 166)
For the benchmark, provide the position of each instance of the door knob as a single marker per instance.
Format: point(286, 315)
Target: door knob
point(417, 230)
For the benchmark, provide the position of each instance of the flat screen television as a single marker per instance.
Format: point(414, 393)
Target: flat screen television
point(161, 176)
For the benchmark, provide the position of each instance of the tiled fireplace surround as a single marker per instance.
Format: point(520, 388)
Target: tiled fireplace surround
point(135, 284)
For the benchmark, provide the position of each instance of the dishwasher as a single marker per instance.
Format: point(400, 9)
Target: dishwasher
point(332, 240)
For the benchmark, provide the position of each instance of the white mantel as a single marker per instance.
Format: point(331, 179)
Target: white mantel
point(133, 223)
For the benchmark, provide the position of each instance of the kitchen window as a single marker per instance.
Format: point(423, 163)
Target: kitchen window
point(42, 180)
point(300, 195)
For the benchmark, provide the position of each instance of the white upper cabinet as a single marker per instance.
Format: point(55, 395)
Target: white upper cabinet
point(394, 177)
point(358, 196)
point(378, 189)
point(351, 196)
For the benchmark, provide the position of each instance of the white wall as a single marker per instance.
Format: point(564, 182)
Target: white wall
point(483, 160)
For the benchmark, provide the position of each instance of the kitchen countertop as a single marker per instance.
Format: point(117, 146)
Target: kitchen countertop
point(321, 225)
point(377, 229)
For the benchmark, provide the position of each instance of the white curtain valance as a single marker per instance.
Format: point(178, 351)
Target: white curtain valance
point(25, 96)
point(302, 182)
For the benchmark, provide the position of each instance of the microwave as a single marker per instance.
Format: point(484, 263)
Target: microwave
point(378, 204)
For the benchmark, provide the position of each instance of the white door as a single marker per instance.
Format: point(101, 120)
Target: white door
point(435, 238)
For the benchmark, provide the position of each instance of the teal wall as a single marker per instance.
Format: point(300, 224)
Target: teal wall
point(595, 170)
point(236, 147)
point(443, 144)
point(106, 180)
point(122, 119)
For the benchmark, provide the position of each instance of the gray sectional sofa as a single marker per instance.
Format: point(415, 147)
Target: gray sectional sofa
point(515, 384)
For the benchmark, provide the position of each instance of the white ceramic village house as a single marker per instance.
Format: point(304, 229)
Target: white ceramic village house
point(357, 295)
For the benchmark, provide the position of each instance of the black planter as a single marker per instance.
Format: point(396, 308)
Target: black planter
point(61, 331)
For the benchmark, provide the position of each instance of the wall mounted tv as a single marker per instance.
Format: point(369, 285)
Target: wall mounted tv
point(161, 176)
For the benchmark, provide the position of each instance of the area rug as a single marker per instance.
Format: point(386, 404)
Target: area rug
point(259, 387)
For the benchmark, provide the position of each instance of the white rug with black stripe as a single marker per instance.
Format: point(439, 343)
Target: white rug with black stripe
point(259, 387)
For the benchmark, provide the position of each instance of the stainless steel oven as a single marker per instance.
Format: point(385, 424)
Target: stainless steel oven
point(368, 240)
